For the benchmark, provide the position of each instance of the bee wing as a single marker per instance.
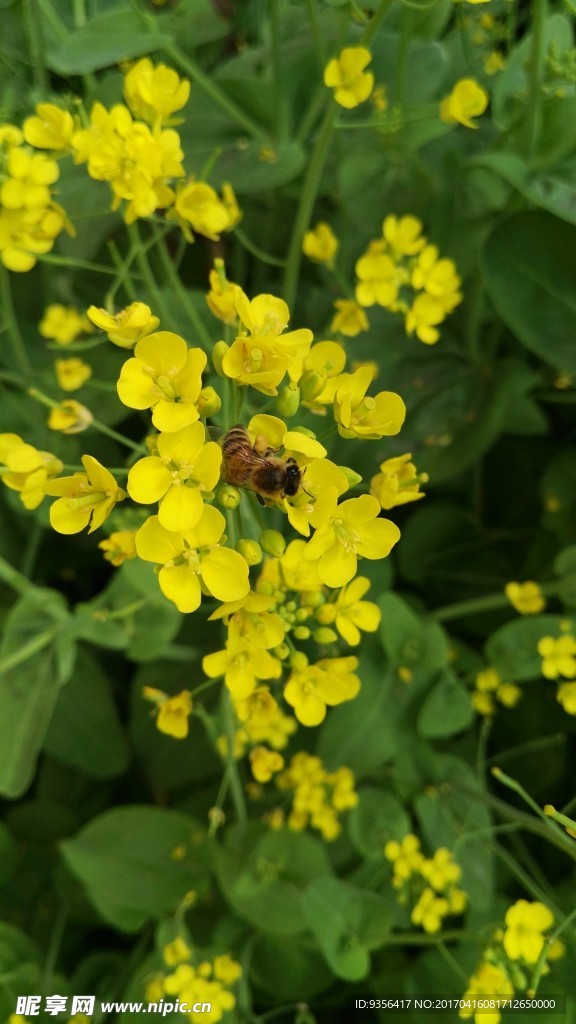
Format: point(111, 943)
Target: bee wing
point(215, 433)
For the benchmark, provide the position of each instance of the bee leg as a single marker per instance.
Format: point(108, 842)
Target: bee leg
point(260, 499)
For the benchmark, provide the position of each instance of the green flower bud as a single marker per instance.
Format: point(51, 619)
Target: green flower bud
point(250, 551)
point(281, 651)
point(315, 599)
point(352, 477)
point(218, 352)
point(326, 614)
point(324, 635)
point(302, 633)
point(272, 543)
point(288, 401)
point(298, 661)
point(312, 383)
point(265, 587)
point(209, 402)
point(228, 497)
point(301, 615)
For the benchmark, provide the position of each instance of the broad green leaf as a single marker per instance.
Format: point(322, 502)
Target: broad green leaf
point(85, 730)
point(565, 567)
point(286, 965)
point(408, 640)
point(8, 855)
point(347, 922)
point(263, 875)
point(16, 948)
point(511, 85)
point(447, 708)
point(529, 266)
point(552, 190)
point(107, 39)
point(36, 659)
point(377, 817)
point(124, 858)
point(513, 649)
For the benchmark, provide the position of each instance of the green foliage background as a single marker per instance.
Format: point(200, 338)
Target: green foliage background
point(95, 798)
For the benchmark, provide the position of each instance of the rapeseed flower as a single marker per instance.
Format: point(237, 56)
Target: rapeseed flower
point(50, 127)
point(350, 614)
point(85, 499)
point(320, 243)
point(198, 204)
point(25, 469)
point(526, 598)
point(265, 763)
point(63, 324)
point(360, 415)
point(329, 682)
point(172, 713)
point(188, 556)
point(350, 319)
point(525, 926)
point(346, 532)
point(397, 483)
point(72, 374)
point(346, 75)
point(166, 376)
point(221, 298)
point(119, 547)
point(241, 664)
point(558, 656)
point(70, 417)
point(154, 93)
point(466, 101)
point(184, 470)
point(126, 327)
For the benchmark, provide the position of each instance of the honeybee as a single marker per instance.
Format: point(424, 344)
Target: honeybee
point(243, 465)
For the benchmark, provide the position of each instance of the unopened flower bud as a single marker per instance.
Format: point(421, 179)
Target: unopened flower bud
point(315, 598)
point(250, 550)
point(151, 442)
point(228, 496)
point(70, 417)
point(301, 615)
point(272, 543)
point(326, 614)
point(352, 477)
point(312, 383)
point(281, 651)
point(218, 352)
point(209, 402)
point(288, 401)
point(302, 633)
point(298, 661)
point(324, 635)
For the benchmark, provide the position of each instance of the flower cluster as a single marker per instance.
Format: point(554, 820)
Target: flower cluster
point(404, 273)
point(526, 598)
point(63, 324)
point(30, 219)
point(318, 796)
point(426, 885)
point(507, 960)
point(398, 482)
point(25, 469)
point(489, 688)
point(192, 980)
point(559, 663)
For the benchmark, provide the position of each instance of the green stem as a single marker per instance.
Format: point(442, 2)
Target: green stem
point(423, 939)
point(34, 646)
point(492, 602)
point(210, 87)
point(266, 257)
point(174, 278)
point(32, 549)
point(154, 292)
point(231, 763)
point(316, 33)
point(306, 205)
point(532, 121)
point(120, 613)
point(39, 396)
point(14, 579)
point(517, 788)
point(370, 33)
point(33, 24)
point(400, 83)
point(277, 63)
point(74, 264)
point(539, 965)
point(16, 340)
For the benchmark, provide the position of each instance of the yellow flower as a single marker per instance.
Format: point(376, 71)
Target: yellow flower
point(50, 128)
point(184, 468)
point(429, 911)
point(166, 376)
point(466, 101)
point(438, 277)
point(265, 763)
point(72, 373)
point(262, 357)
point(380, 277)
point(241, 664)
point(259, 709)
point(63, 324)
point(28, 469)
point(488, 980)
point(359, 415)
point(525, 925)
point(227, 970)
point(320, 473)
point(404, 235)
point(191, 555)
point(423, 318)
point(558, 656)
point(126, 327)
point(29, 177)
point(197, 204)
point(344, 533)
point(10, 135)
point(526, 598)
point(176, 952)
point(154, 92)
point(566, 696)
point(85, 499)
point(352, 614)
point(495, 61)
point(346, 75)
point(172, 713)
point(350, 318)
point(329, 682)
point(508, 694)
point(119, 546)
point(27, 233)
point(320, 243)
point(397, 482)
point(70, 416)
point(221, 298)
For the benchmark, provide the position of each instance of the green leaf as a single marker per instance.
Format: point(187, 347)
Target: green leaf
point(513, 649)
point(37, 656)
point(447, 709)
point(347, 923)
point(124, 860)
point(16, 948)
point(408, 641)
point(283, 966)
point(551, 190)
point(529, 267)
point(107, 39)
point(8, 855)
point(262, 876)
point(85, 730)
point(377, 817)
